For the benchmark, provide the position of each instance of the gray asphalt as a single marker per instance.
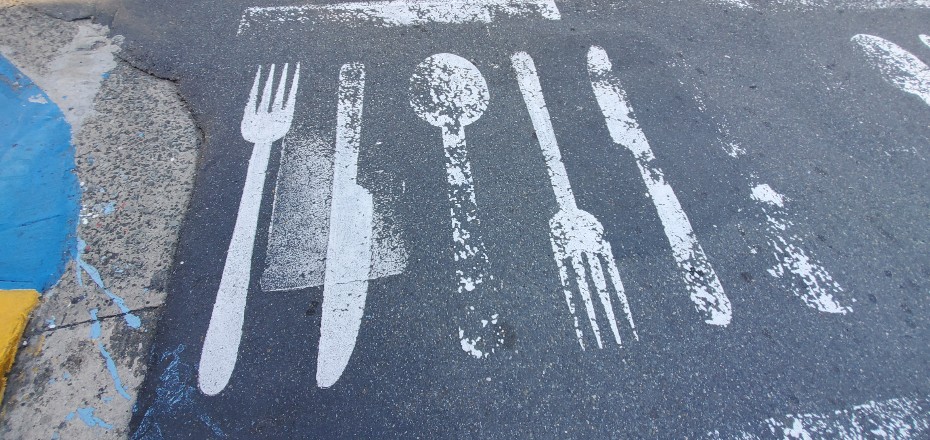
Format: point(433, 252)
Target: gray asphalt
point(817, 123)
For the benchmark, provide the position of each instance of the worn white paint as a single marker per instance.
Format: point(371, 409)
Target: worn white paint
point(400, 12)
point(264, 121)
point(925, 39)
point(765, 194)
point(449, 92)
point(348, 256)
point(705, 289)
point(577, 237)
point(820, 290)
point(900, 419)
point(73, 76)
point(897, 66)
point(298, 234)
point(795, 5)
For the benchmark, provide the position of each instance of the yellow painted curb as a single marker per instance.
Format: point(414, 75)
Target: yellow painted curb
point(15, 306)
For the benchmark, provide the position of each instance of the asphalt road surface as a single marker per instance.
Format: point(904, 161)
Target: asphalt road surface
point(546, 220)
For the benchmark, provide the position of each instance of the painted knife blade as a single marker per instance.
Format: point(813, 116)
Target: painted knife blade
point(348, 255)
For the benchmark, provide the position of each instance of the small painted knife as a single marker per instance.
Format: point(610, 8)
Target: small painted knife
point(348, 255)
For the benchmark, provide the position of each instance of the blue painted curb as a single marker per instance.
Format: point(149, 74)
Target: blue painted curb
point(39, 192)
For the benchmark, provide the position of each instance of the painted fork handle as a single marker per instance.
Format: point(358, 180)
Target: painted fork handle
point(221, 345)
point(532, 93)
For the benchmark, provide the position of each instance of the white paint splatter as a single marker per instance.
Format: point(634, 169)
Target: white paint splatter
point(901, 418)
point(448, 91)
point(577, 236)
point(706, 292)
point(348, 255)
point(733, 149)
point(38, 99)
point(264, 121)
point(819, 289)
point(400, 12)
point(765, 194)
point(897, 66)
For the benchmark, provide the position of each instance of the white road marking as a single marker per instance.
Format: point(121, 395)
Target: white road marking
point(264, 121)
point(901, 418)
point(299, 230)
point(705, 289)
point(897, 66)
point(795, 5)
point(577, 237)
point(449, 92)
point(298, 233)
point(925, 39)
point(400, 12)
point(820, 290)
point(348, 255)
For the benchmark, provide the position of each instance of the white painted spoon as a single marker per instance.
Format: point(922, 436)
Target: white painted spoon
point(449, 92)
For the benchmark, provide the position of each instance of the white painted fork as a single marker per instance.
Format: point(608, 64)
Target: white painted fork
point(263, 122)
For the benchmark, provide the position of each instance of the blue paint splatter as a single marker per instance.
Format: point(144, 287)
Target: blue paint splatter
point(39, 192)
point(174, 395)
point(87, 416)
point(131, 319)
point(106, 399)
point(108, 208)
point(70, 416)
point(66, 376)
point(111, 366)
point(95, 326)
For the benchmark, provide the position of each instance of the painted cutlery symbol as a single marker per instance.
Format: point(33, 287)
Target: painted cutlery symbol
point(897, 65)
point(705, 289)
point(448, 91)
point(577, 236)
point(264, 121)
point(348, 255)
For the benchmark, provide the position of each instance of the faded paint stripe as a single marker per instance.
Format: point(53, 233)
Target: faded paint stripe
point(900, 418)
point(400, 13)
point(795, 5)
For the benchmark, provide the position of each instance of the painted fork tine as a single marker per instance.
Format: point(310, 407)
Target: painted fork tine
point(597, 274)
point(578, 266)
point(618, 288)
point(567, 290)
point(278, 102)
point(265, 103)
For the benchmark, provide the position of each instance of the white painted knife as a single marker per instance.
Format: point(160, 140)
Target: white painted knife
point(897, 65)
point(348, 255)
